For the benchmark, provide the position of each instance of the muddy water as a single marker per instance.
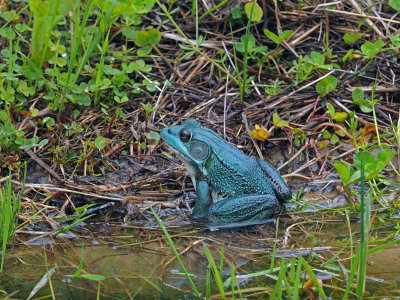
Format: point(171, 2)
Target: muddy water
point(138, 263)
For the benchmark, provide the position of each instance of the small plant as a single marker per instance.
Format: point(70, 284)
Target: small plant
point(351, 38)
point(370, 50)
point(274, 88)
point(13, 140)
point(78, 272)
point(261, 133)
point(146, 40)
point(278, 39)
point(305, 66)
point(248, 45)
point(395, 40)
point(359, 99)
point(372, 166)
point(326, 85)
point(10, 206)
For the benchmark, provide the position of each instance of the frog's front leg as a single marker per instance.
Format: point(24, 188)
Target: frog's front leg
point(203, 200)
point(243, 208)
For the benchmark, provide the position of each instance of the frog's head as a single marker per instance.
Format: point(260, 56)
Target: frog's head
point(190, 140)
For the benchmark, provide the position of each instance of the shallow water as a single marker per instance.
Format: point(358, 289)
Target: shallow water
point(138, 263)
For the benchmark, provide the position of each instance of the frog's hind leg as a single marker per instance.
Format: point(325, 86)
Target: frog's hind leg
point(281, 189)
point(243, 208)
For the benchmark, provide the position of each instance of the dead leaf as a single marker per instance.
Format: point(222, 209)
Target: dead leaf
point(369, 129)
point(260, 133)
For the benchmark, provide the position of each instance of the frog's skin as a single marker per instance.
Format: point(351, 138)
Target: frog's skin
point(231, 187)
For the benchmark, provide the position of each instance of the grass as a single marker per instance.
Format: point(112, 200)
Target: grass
point(10, 206)
point(74, 77)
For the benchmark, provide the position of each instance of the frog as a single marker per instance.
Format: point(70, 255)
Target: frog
point(231, 187)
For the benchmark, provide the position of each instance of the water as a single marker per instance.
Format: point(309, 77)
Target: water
point(138, 262)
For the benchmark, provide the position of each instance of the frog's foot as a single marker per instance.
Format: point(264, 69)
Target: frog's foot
point(198, 217)
point(244, 208)
point(236, 225)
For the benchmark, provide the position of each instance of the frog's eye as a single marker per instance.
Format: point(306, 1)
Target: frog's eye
point(199, 150)
point(185, 135)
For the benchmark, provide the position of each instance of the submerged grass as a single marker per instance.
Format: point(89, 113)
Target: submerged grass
point(102, 63)
point(173, 248)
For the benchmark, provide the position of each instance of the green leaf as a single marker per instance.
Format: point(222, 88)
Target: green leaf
point(351, 38)
point(100, 142)
point(275, 119)
point(326, 85)
point(154, 37)
point(147, 38)
point(246, 39)
point(272, 36)
point(339, 116)
point(368, 160)
point(383, 159)
point(370, 50)
point(315, 58)
point(347, 55)
point(49, 121)
point(34, 112)
point(364, 104)
point(253, 11)
point(331, 109)
point(278, 122)
point(395, 4)
point(3, 116)
point(145, 50)
point(285, 35)
point(334, 139)
point(153, 135)
point(141, 39)
point(357, 94)
point(326, 134)
point(344, 170)
point(322, 144)
point(92, 277)
point(395, 40)
point(282, 123)
point(237, 13)
point(43, 142)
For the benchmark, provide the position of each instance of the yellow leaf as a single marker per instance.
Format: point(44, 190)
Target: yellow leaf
point(260, 133)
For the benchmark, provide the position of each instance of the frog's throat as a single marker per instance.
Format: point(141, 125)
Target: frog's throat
point(189, 165)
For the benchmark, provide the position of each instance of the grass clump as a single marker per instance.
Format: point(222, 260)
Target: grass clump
point(10, 207)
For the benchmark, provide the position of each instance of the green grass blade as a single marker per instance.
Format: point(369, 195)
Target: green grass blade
point(221, 262)
point(94, 42)
point(66, 228)
point(208, 283)
point(274, 247)
point(217, 277)
point(364, 228)
point(78, 32)
point(277, 291)
point(172, 245)
point(313, 277)
point(296, 282)
point(80, 266)
point(212, 9)
point(38, 73)
point(351, 276)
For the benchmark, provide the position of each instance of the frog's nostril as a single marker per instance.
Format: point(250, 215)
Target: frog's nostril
point(169, 131)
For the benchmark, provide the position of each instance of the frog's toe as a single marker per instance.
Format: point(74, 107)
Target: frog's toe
point(198, 217)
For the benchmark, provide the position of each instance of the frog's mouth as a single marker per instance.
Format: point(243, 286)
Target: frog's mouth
point(180, 155)
point(189, 164)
